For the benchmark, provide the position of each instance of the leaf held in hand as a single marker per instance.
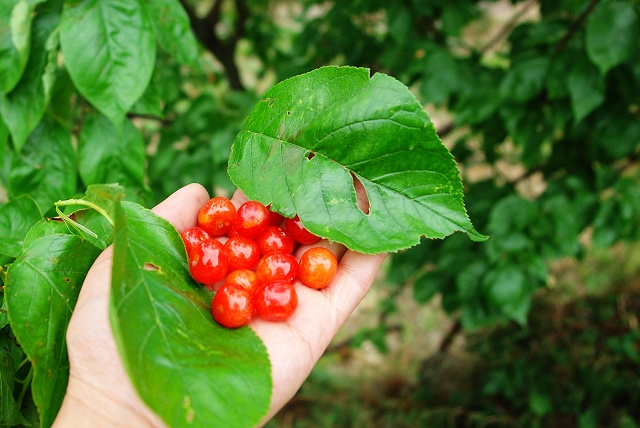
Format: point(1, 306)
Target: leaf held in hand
point(313, 137)
point(187, 368)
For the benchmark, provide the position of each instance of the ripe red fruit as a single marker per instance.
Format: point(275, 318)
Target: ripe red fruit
point(232, 306)
point(275, 301)
point(245, 278)
point(273, 239)
point(251, 219)
point(192, 236)
point(299, 233)
point(216, 215)
point(242, 253)
point(317, 267)
point(275, 218)
point(277, 267)
point(208, 262)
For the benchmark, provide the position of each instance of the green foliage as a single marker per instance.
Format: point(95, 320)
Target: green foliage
point(332, 126)
point(190, 370)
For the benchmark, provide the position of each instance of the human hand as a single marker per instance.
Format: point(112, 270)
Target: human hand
point(99, 392)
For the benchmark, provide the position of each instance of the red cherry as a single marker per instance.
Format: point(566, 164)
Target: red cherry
point(275, 301)
point(277, 267)
point(192, 236)
point(244, 278)
point(216, 215)
point(242, 253)
point(232, 306)
point(299, 233)
point(208, 262)
point(251, 219)
point(273, 239)
point(275, 218)
point(317, 267)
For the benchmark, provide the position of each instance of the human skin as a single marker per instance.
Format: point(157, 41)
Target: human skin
point(99, 393)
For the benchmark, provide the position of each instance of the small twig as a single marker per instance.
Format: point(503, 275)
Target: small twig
point(224, 51)
point(506, 29)
point(574, 27)
point(448, 338)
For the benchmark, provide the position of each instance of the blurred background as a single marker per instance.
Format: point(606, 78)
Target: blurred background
point(539, 102)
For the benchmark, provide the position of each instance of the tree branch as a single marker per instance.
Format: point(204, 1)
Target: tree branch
point(506, 29)
point(204, 29)
point(574, 27)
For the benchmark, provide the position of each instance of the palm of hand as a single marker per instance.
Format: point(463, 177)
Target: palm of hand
point(98, 382)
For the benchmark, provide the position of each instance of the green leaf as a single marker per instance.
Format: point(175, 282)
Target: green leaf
point(10, 414)
point(186, 367)
point(612, 34)
point(173, 30)
point(23, 108)
point(106, 156)
point(525, 79)
point(16, 218)
point(41, 292)
point(428, 285)
point(109, 50)
point(311, 136)
point(46, 167)
point(507, 289)
point(586, 88)
point(15, 29)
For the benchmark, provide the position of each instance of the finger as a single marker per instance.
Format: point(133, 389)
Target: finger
point(181, 207)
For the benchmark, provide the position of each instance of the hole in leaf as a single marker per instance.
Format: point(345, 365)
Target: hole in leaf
point(361, 194)
point(310, 155)
point(288, 113)
point(151, 267)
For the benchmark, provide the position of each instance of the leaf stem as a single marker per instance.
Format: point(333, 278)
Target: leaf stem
point(82, 230)
point(87, 204)
point(25, 386)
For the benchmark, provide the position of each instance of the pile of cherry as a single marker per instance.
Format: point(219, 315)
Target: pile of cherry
point(246, 256)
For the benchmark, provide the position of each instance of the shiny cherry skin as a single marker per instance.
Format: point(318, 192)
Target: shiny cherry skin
point(299, 233)
point(275, 301)
point(245, 278)
point(208, 262)
point(273, 239)
point(216, 216)
point(242, 253)
point(192, 236)
point(277, 267)
point(275, 218)
point(251, 219)
point(317, 267)
point(232, 306)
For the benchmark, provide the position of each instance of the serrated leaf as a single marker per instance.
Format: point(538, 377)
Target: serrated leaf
point(41, 291)
point(46, 167)
point(612, 34)
point(187, 368)
point(16, 218)
point(310, 135)
point(23, 108)
point(106, 156)
point(15, 28)
point(109, 51)
point(173, 30)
